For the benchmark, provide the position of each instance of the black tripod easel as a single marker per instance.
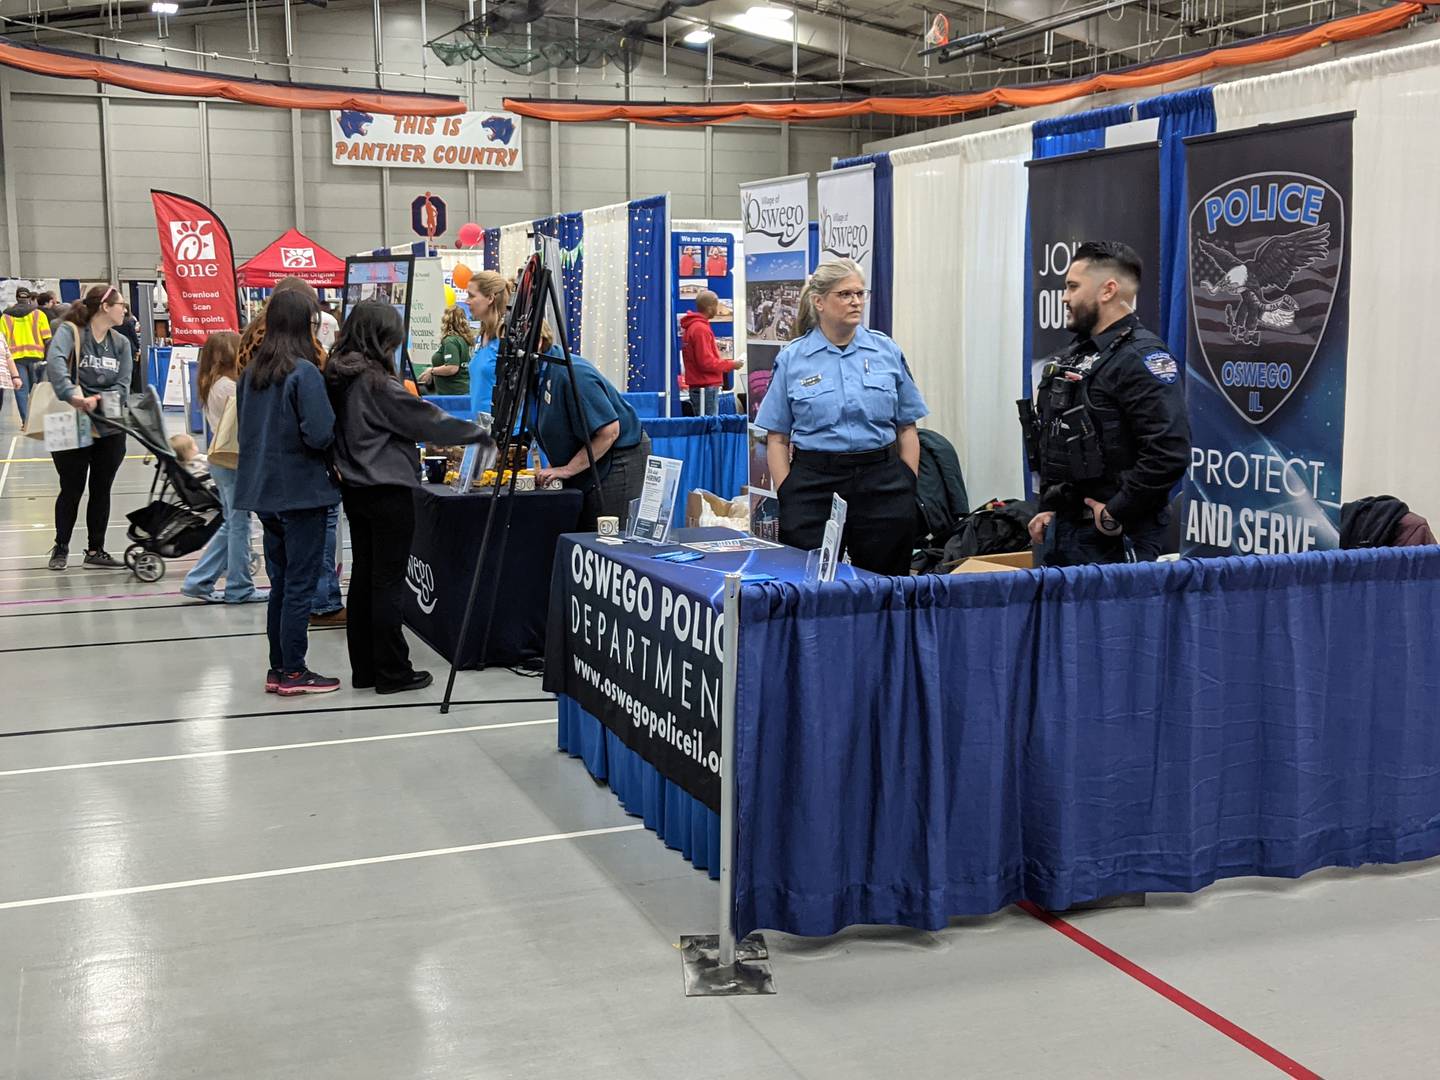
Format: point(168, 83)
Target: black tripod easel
point(517, 392)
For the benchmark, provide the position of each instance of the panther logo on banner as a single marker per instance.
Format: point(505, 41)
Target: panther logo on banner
point(297, 258)
point(193, 241)
point(1265, 256)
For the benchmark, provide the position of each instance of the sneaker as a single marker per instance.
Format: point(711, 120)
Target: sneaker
point(259, 596)
point(103, 560)
point(59, 558)
point(330, 618)
point(210, 596)
point(294, 683)
point(272, 681)
point(417, 681)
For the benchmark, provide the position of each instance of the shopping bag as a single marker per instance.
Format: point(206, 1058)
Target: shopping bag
point(225, 446)
point(68, 430)
point(44, 403)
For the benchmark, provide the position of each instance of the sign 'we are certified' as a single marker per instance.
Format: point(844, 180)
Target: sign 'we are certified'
point(483, 141)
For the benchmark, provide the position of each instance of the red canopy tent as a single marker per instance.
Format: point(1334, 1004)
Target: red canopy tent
point(293, 255)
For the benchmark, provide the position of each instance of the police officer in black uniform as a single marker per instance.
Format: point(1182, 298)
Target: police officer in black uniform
point(1108, 432)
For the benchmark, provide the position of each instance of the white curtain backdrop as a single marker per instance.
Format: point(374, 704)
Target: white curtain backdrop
point(737, 271)
point(516, 245)
point(1390, 441)
point(959, 308)
point(604, 292)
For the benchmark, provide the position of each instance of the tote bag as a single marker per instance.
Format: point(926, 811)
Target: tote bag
point(225, 446)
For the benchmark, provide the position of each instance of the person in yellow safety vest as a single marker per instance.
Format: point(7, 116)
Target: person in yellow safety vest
point(27, 332)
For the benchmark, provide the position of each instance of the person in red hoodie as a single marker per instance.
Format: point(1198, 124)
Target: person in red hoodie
point(705, 370)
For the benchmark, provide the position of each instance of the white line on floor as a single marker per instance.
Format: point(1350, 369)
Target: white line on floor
point(5, 475)
point(278, 747)
point(166, 886)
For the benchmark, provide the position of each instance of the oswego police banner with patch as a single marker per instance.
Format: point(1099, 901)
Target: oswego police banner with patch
point(847, 217)
point(645, 657)
point(1269, 330)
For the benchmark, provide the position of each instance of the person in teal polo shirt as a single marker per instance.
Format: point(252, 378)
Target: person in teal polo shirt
point(611, 427)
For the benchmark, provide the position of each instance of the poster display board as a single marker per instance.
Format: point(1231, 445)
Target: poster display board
point(473, 141)
point(700, 261)
point(427, 310)
point(387, 278)
point(1067, 208)
point(1269, 242)
point(847, 218)
point(776, 217)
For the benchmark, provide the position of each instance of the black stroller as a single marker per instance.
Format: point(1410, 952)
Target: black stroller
point(184, 511)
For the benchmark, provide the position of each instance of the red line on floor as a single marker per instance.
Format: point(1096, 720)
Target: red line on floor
point(1289, 1066)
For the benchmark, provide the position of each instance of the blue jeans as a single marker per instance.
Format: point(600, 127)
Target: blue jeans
point(705, 400)
point(294, 547)
point(228, 553)
point(31, 372)
point(327, 588)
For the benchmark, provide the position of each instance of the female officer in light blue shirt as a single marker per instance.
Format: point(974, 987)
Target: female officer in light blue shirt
point(840, 415)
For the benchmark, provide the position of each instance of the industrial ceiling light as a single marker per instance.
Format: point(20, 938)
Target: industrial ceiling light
point(769, 11)
point(698, 37)
point(160, 8)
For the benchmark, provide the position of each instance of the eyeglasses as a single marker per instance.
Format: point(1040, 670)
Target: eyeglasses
point(852, 296)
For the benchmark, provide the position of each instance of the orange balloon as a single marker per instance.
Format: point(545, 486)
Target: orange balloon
point(461, 276)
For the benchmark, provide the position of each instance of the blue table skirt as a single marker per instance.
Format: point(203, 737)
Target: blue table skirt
point(683, 823)
point(914, 749)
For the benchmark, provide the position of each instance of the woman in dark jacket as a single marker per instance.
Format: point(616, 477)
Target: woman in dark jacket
point(286, 427)
point(378, 423)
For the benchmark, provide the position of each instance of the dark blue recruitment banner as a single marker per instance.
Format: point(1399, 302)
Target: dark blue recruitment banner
point(1269, 234)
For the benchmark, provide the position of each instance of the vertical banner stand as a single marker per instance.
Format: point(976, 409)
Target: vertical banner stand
point(712, 964)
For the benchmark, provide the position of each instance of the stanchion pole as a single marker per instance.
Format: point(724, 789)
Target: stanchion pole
point(713, 965)
point(731, 674)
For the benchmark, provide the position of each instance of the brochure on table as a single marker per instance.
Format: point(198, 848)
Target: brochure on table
point(651, 515)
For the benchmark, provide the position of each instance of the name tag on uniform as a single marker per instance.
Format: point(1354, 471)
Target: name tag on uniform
point(813, 380)
point(547, 395)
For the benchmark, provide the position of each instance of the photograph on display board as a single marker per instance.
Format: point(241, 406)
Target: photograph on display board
point(689, 290)
point(724, 310)
point(726, 347)
point(774, 307)
point(690, 261)
point(717, 261)
point(760, 368)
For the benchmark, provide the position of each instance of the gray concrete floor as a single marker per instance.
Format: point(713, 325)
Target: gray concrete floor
point(172, 907)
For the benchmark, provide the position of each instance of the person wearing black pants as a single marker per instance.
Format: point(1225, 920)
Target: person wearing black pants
point(286, 430)
point(378, 422)
point(98, 464)
point(606, 422)
point(86, 363)
point(839, 417)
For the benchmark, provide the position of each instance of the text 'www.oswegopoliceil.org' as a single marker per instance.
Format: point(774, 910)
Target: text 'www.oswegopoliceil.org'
point(689, 743)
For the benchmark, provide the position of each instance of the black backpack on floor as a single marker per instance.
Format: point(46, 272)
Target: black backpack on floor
point(999, 527)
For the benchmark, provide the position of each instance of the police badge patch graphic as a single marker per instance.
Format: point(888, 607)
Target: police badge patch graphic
point(1266, 251)
point(1163, 366)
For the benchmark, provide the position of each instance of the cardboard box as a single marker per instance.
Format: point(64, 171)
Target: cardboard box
point(703, 507)
point(995, 564)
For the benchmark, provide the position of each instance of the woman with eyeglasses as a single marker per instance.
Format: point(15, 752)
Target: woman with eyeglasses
point(840, 415)
point(88, 360)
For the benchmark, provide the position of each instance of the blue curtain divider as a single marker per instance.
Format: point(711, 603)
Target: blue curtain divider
point(1060, 736)
point(648, 337)
point(882, 268)
point(1190, 112)
point(492, 249)
point(682, 823)
point(572, 254)
point(713, 449)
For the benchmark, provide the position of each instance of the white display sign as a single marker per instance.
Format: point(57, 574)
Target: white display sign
point(483, 141)
point(847, 217)
point(651, 519)
point(830, 545)
point(427, 309)
point(67, 430)
point(177, 376)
